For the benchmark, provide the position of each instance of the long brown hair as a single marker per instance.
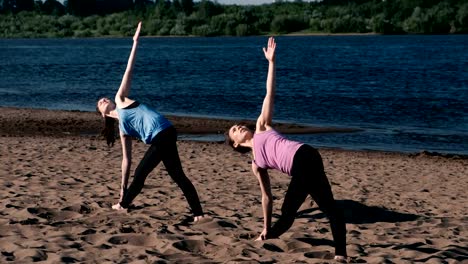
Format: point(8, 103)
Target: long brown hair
point(109, 130)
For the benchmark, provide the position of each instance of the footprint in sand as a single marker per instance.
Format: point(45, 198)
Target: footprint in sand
point(118, 240)
point(88, 232)
point(53, 215)
point(212, 223)
point(68, 260)
point(248, 236)
point(79, 208)
point(29, 221)
point(9, 256)
point(190, 245)
point(319, 255)
point(144, 240)
point(30, 255)
point(272, 247)
point(126, 229)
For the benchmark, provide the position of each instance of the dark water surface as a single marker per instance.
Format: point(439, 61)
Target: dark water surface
point(407, 93)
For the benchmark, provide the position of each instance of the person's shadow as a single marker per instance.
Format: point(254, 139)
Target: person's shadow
point(359, 213)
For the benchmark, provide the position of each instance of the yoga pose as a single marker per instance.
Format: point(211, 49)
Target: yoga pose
point(302, 162)
point(143, 122)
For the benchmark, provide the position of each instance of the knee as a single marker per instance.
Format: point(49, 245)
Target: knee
point(138, 184)
point(335, 215)
point(287, 216)
point(182, 181)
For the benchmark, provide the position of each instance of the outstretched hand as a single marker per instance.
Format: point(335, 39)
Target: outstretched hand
point(263, 235)
point(270, 50)
point(137, 32)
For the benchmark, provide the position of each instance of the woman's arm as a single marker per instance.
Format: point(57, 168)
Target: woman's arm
point(124, 89)
point(126, 163)
point(265, 118)
point(267, 199)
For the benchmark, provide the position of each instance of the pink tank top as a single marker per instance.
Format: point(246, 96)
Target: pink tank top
point(273, 151)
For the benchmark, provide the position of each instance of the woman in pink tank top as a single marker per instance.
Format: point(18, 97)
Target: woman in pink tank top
point(302, 162)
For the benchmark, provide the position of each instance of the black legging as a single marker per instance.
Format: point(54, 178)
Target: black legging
point(308, 178)
point(163, 148)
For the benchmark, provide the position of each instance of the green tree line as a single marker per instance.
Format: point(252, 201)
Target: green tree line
point(101, 18)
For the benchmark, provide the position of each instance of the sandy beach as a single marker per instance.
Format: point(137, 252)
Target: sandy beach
point(59, 179)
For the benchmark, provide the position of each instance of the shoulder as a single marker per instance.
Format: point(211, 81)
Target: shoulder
point(260, 128)
point(123, 102)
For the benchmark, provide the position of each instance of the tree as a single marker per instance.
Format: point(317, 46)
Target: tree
point(377, 23)
point(6, 6)
point(24, 5)
point(284, 24)
point(209, 18)
point(462, 18)
point(177, 5)
point(142, 4)
point(440, 18)
point(415, 23)
point(163, 9)
point(393, 16)
point(53, 7)
point(187, 6)
point(208, 9)
point(16, 6)
point(434, 20)
point(81, 7)
point(113, 6)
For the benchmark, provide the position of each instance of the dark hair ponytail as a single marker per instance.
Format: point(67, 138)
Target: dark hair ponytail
point(109, 131)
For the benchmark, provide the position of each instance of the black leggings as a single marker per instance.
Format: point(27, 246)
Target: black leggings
point(163, 148)
point(308, 178)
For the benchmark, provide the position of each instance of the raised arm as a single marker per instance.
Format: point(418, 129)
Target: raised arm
point(124, 89)
point(265, 119)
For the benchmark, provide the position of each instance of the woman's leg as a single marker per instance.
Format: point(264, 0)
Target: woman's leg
point(295, 196)
point(308, 177)
point(173, 166)
point(322, 194)
point(324, 198)
point(150, 160)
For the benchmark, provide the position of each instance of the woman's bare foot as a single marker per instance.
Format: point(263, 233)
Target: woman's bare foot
point(341, 259)
point(198, 218)
point(118, 207)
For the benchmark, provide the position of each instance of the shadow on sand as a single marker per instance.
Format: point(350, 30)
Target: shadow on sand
point(358, 213)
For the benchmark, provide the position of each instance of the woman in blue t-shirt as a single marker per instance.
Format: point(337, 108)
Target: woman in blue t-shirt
point(143, 122)
point(303, 163)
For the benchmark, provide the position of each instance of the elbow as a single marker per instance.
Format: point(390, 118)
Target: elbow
point(126, 162)
point(267, 198)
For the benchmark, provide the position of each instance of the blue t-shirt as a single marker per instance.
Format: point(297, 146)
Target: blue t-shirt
point(141, 121)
